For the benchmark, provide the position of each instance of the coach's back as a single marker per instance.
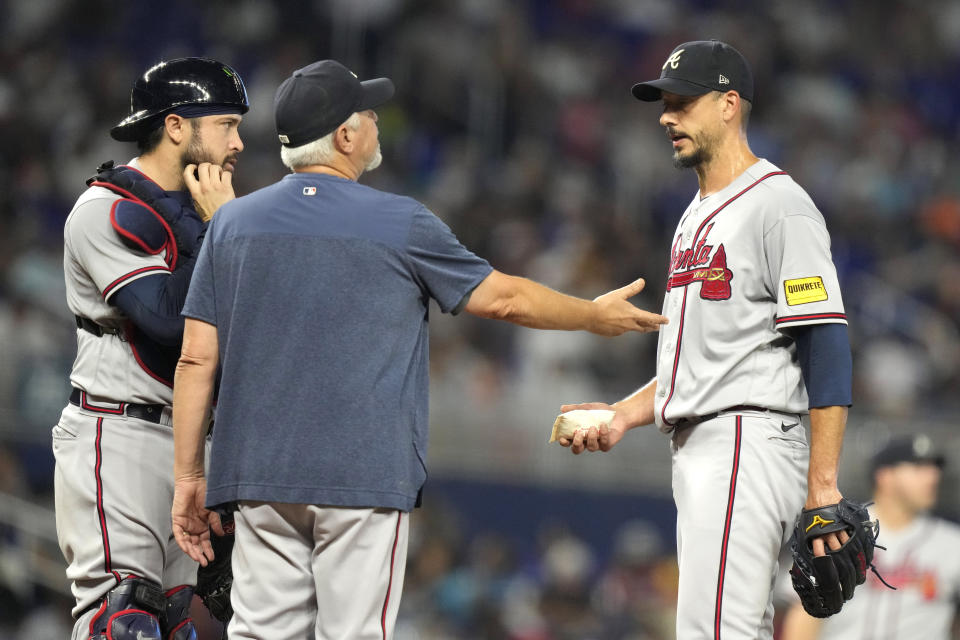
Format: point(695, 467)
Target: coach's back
point(319, 288)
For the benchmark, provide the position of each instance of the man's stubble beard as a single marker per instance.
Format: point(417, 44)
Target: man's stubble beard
point(703, 152)
point(196, 153)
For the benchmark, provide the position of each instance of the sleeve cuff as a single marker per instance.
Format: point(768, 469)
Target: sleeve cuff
point(810, 318)
point(114, 286)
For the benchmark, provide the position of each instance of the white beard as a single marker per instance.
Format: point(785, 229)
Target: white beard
point(375, 161)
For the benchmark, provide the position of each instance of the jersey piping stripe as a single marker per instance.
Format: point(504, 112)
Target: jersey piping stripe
point(676, 359)
point(113, 285)
point(812, 316)
point(732, 198)
point(100, 513)
point(89, 407)
point(726, 529)
point(393, 557)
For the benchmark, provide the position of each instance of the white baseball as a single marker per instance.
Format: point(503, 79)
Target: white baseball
point(567, 424)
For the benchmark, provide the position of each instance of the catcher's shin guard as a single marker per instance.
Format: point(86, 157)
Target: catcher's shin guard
point(129, 611)
point(177, 623)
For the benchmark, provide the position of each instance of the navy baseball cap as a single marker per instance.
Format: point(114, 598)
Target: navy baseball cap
point(318, 98)
point(698, 67)
point(917, 449)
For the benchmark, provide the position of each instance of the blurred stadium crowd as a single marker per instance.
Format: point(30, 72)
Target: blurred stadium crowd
point(513, 121)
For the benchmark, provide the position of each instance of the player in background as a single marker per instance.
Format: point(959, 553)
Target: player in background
point(130, 245)
point(920, 559)
point(313, 295)
point(757, 337)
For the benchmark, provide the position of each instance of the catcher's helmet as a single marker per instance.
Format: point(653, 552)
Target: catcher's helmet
point(174, 83)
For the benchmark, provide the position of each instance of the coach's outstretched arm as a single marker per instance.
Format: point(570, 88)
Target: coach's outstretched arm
point(529, 304)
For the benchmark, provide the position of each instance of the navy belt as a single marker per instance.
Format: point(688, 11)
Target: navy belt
point(689, 422)
point(149, 412)
point(98, 330)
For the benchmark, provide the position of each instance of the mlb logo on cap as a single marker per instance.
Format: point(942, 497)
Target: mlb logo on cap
point(309, 191)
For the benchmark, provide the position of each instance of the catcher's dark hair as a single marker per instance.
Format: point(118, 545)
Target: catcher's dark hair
point(150, 140)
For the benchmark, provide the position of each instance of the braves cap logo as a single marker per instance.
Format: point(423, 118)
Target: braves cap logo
point(673, 60)
point(817, 520)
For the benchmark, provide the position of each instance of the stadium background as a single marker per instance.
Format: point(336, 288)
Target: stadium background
point(513, 121)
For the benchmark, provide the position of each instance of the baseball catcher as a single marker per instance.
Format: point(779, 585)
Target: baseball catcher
point(825, 582)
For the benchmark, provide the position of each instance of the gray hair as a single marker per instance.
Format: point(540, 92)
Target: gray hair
point(319, 151)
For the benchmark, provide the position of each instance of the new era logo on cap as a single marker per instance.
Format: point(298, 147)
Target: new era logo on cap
point(698, 67)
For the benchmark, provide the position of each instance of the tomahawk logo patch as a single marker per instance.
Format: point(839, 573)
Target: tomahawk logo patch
point(804, 290)
point(715, 276)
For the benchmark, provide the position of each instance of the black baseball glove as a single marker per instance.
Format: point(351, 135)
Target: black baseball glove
point(824, 583)
point(215, 579)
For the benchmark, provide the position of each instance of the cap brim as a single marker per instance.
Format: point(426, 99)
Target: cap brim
point(653, 90)
point(129, 129)
point(375, 93)
point(936, 460)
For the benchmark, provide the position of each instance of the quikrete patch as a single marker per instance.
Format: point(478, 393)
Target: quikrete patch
point(804, 290)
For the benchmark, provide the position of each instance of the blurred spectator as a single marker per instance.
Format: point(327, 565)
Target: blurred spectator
point(917, 558)
point(637, 595)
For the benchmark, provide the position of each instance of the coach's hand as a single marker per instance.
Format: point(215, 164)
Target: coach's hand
point(192, 521)
point(594, 439)
point(618, 316)
point(210, 187)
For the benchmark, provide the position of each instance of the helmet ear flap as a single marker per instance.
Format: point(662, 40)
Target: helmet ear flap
point(175, 83)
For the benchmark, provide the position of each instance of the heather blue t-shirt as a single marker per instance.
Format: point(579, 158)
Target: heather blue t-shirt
point(319, 289)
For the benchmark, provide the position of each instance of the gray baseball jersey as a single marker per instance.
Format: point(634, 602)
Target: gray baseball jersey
point(96, 264)
point(746, 263)
point(113, 482)
point(922, 563)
